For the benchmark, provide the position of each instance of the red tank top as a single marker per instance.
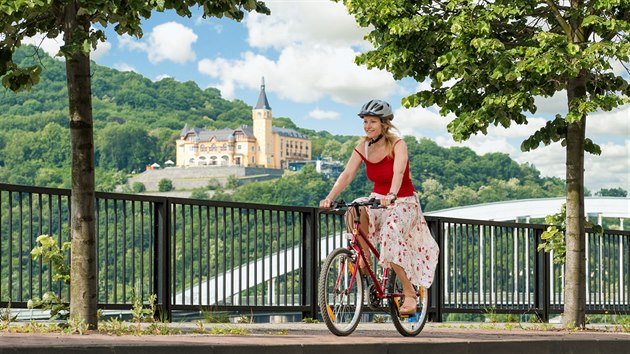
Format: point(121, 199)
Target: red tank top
point(382, 172)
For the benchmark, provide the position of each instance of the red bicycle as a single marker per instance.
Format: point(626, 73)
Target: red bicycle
point(342, 286)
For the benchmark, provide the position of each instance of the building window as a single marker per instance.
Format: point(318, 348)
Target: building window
point(202, 148)
point(238, 147)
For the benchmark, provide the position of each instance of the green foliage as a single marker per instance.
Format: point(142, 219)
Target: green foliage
point(612, 192)
point(125, 147)
point(304, 187)
point(232, 182)
point(165, 185)
point(49, 251)
point(211, 315)
point(487, 62)
point(199, 194)
point(138, 187)
point(553, 238)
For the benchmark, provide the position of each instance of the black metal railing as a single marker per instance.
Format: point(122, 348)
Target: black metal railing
point(255, 258)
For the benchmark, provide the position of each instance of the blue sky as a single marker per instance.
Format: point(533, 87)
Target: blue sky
point(305, 51)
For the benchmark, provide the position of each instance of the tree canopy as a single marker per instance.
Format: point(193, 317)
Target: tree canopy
point(81, 24)
point(487, 61)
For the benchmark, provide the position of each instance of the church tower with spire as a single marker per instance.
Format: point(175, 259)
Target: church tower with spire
point(261, 115)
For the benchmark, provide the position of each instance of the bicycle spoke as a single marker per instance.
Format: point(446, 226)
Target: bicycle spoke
point(340, 296)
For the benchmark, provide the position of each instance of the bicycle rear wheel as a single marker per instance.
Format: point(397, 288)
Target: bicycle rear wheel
point(408, 326)
point(339, 304)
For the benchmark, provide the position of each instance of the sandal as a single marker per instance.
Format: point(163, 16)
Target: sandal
point(409, 306)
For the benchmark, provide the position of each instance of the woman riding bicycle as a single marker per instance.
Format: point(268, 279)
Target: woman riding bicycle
point(406, 244)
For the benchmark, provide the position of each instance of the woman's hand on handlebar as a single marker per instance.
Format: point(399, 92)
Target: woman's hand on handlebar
point(326, 203)
point(387, 200)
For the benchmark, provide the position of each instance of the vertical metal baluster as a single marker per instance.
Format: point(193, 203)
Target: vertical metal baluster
point(115, 285)
point(106, 282)
point(191, 214)
point(240, 260)
point(199, 255)
point(30, 238)
point(286, 261)
point(262, 258)
point(98, 239)
point(124, 252)
point(41, 232)
point(216, 255)
point(133, 244)
point(248, 258)
point(224, 269)
point(232, 267)
point(209, 270)
point(21, 249)
point(140, 291)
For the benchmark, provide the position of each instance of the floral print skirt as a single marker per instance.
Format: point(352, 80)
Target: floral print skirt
point(402, 236)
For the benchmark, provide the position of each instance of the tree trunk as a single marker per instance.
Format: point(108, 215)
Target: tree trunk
point(83, 297)
point(575, 267)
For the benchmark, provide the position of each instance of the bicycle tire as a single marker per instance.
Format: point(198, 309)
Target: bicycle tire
point(408, 326)
point(340, 308)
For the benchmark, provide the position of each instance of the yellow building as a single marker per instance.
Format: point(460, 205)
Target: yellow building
point(261, 145)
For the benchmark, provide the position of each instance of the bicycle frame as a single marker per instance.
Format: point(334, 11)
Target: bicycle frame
point(355, 245)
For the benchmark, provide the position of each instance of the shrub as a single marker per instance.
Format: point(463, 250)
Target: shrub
point(165, 185)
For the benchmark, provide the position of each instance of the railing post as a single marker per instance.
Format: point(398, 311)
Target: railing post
point(541, 287)
point(310, 259)
point(162, 265)
point(437, 290)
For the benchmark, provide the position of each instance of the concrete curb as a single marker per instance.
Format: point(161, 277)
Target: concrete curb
point(303, 338)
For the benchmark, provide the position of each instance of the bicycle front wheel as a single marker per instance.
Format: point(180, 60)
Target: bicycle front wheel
point(340, 298)
point(409, 325)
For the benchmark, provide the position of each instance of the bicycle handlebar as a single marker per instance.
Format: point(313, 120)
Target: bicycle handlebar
point(342, 205)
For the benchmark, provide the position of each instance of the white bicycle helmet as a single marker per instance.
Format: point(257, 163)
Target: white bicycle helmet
point(377, 108)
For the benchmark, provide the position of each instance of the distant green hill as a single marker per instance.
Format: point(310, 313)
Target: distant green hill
point(137, 121)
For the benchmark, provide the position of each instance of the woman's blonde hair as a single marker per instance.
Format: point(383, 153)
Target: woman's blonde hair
point(390, 138)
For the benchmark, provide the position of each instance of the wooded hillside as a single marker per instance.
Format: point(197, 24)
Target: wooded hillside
point(137, 121)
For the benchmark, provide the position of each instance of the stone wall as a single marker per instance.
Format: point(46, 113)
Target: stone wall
point(186, 178)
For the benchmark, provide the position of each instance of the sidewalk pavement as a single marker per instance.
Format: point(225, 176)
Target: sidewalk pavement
point(307, 338)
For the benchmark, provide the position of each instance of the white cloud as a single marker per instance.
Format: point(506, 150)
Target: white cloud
point(302, 74)
point(162, 76)
point(609, 170)
point(52, 45)
point(481, 144)
point(556, 104)
point(49, 45)
point(308, 51)
point(319, 114)
point(102, 48)
point(168, 41)
point(616, 123)
point(299, 22)
point(549, 160)
point(124, 67)
point(417, 121)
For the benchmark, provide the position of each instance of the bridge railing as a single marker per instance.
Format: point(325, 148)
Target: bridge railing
point(254, 258)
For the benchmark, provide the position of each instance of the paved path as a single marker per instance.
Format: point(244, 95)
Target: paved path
point(303, 338)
